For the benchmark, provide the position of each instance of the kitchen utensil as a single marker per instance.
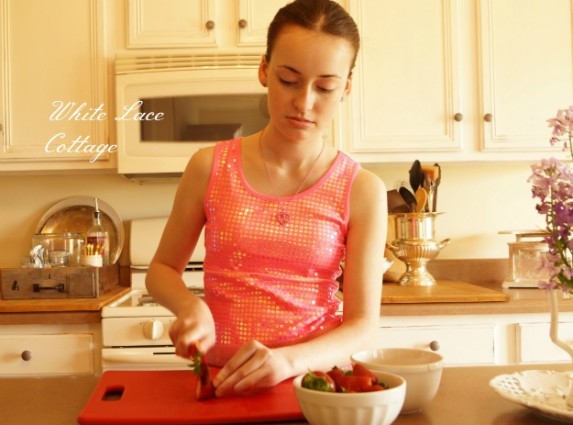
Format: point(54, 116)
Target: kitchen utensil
point(360, 408)
point(75, 215)
point(396, 203)
point(416, 176)
point(422, 370)
point(168, 397)
point(408, 197)
point(436, 184)
point(421, 199)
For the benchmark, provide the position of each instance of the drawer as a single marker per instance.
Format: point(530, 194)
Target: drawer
point(46, 354)
point(459, 345)
point(534, 343)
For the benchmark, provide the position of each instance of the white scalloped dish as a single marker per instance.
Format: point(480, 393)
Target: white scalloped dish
point(543, 391)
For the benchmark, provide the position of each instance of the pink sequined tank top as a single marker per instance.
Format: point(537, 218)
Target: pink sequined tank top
point(265, 279)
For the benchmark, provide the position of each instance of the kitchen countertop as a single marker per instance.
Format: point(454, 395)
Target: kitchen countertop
point(521, 301)
point(58, 401)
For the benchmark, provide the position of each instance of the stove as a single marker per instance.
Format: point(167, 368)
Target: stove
point(135, 328)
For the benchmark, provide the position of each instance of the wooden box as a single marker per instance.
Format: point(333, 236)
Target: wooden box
point(61, 282)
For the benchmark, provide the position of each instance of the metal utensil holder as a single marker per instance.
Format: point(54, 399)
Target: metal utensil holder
point(415, 245)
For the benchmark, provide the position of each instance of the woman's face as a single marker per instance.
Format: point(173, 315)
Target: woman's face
point(307, 76)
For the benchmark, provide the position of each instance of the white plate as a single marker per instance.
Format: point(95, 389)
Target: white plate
point(543, 391)
point(75, 215)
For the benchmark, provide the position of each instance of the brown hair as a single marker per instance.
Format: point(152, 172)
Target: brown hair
point(324, 16)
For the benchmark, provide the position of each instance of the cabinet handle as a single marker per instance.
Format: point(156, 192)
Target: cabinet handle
point(434, 345)
point(459, 117)
point(26, 355)
point(210, 25)
point(243, 23)
point(488, 117)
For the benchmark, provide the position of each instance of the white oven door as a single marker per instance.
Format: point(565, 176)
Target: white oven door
point(142, 358)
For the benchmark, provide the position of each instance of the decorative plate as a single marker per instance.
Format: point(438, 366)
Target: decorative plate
point(543, 391)
point(75, 215)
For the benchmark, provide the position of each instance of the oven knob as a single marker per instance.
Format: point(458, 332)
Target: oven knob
point(153, 329)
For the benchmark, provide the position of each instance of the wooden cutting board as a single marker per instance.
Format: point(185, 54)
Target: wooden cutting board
point(446, 291)
point(168, 397)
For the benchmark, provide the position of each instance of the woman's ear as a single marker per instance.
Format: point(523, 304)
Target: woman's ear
point(263, 71)
point(347, 89)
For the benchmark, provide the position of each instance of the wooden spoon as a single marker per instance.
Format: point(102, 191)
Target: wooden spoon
point(421, 199)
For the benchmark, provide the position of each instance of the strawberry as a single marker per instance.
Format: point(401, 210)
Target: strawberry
point(319, 381)
point(205, 388)
point(355, 384)
point(336, 374)
point(360, 370)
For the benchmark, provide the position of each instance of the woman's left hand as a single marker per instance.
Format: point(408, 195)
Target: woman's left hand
point(252, 368)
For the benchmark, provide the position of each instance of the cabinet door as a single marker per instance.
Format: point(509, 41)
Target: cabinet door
point(171, 23)
point(254, 19)
point(46, 354)
point(463, 344)
point(527, 70)
point(406, 86)
point(51, 52)
point(534, 343)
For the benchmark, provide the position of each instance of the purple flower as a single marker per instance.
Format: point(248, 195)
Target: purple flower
point(552, 186)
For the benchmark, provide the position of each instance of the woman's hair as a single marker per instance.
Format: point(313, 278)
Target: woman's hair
point(324, 16)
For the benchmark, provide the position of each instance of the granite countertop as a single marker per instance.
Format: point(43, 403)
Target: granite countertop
point(59, 401)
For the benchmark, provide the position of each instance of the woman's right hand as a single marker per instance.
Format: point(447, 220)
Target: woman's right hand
point(194, 325)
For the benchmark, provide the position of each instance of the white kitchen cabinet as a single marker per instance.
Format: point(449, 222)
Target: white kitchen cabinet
point(199, 23)
point(51, 53)
point(457, 80)
point(477, 347)
point(481, 339)
point(49, 350)
point(529, 349)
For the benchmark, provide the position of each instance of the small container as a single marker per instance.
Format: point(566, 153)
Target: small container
point(91, 260)
point(97, 238)
point(59, 258)
point(526, 256)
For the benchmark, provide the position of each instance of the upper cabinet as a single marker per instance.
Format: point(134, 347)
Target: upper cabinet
point(457, 80)
point(52, 73)
point(199, 23)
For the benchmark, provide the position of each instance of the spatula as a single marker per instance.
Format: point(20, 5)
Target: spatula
point(421, 199)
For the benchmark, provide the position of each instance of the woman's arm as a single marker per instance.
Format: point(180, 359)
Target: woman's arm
point(255, 366)
point(194, 322)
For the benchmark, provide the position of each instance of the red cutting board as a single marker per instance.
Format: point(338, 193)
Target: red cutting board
point(168, 397)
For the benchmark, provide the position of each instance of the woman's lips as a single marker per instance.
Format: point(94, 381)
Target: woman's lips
point(300, 122)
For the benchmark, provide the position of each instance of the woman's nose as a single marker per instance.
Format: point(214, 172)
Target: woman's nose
point(304, 99)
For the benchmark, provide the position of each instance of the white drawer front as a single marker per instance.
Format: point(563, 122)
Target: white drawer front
point(534, 344)
point(463, 344)
point(47, 354)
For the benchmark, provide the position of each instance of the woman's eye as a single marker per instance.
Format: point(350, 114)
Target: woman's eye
point(286, 82)
point(325, 90)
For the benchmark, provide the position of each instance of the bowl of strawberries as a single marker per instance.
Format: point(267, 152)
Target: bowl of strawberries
point(357, 395)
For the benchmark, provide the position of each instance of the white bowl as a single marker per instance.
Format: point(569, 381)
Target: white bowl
point(368, 408)
point(421, 369)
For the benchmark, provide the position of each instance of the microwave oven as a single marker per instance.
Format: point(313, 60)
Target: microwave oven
point(168, 107)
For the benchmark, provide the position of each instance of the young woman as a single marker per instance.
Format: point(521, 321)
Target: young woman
point(281, 210)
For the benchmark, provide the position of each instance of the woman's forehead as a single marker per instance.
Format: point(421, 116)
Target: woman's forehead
point(300, 49)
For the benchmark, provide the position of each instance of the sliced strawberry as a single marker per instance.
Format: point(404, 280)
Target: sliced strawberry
point(360, 370)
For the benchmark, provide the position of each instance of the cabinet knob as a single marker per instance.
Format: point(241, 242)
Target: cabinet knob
point(243, 23)
point(459, 117)
point(26, 355)
point(488, 117)
point(434, 345)
point(210, 25)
